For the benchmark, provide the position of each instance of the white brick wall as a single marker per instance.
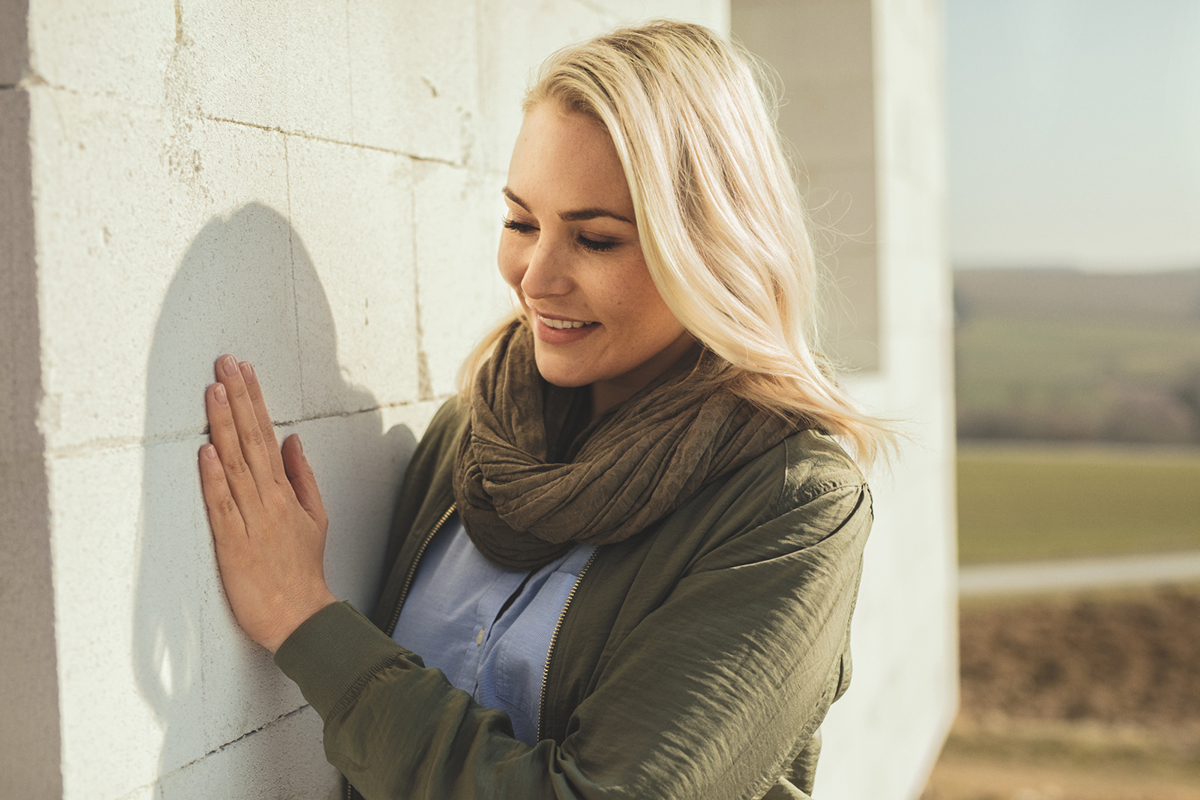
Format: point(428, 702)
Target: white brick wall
point(314, 186)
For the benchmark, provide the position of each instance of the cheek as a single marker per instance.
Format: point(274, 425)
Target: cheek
point(643, 302)
point(664, 324)
point(658, 324)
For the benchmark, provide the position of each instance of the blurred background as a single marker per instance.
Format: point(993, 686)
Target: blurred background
point(1073, 140)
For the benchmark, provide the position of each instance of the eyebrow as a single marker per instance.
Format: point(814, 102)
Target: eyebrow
point(570, 216)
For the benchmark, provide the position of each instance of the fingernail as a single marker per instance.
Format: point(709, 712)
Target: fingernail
point(299, 444)
point(229, 366)
point(208, 451)
point(247, 372)
point(219, 392)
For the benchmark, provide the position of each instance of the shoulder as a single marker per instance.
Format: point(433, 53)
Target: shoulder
point(806, 466)
point(796, 494)
point(426, 490)
point(822, 491)
point(812, 464)
point(439, 443)
point(447, 424)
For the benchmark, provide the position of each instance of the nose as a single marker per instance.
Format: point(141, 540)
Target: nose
point(548, 272)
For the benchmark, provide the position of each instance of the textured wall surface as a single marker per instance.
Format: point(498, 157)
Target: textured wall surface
point(315, 186)
point(822, 52)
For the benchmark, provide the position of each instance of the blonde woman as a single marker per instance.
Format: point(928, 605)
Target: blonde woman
point(625, 559)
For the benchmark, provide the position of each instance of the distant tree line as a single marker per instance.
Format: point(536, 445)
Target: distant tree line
point(1131, 412)
point(1070, 356)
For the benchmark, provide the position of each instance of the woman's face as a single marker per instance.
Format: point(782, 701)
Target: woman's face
point(570, 249)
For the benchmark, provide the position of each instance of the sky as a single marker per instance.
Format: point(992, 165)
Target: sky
point(1073, 133)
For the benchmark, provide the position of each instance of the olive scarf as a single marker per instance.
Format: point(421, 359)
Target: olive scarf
point(530, 483)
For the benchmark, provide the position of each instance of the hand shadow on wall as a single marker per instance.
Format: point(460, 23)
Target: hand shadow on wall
point(246, 286)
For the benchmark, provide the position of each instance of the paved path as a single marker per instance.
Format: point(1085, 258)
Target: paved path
point(1082, 573)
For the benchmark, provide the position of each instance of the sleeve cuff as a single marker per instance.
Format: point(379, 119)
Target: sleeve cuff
point(334, 652)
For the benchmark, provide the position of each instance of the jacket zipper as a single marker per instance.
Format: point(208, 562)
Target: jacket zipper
point(412, 570)
point(554, 639)
point(408, 579)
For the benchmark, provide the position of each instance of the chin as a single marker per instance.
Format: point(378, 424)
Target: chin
point(561, 374)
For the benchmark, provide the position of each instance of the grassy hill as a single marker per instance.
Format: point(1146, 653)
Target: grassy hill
point(1060, 355)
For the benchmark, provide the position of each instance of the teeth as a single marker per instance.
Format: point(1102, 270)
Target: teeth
point(561, 324)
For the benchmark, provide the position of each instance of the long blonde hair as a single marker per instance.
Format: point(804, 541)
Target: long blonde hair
point(720, 220)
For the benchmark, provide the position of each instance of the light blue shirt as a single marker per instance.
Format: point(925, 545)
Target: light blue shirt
point(486, 627)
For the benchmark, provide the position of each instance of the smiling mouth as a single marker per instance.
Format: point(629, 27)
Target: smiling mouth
point(563, 324)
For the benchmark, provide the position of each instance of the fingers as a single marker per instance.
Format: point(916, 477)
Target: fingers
point(236, 473)
point(250, 439)
point(223, 512)
point(266, 429)
point(303, 481)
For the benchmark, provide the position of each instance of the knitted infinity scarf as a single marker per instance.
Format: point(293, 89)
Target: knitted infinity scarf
point(619, 475)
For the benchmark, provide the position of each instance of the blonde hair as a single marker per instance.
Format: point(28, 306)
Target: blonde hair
point(719, 218)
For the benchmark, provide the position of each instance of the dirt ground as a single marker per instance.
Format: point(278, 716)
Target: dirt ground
point(1077, 697)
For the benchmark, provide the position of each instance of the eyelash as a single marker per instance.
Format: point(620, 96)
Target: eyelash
point(584, 242)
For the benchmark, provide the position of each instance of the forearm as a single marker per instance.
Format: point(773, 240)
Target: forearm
point(398, 729)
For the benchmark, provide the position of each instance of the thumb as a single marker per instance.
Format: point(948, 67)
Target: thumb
point(304, 483)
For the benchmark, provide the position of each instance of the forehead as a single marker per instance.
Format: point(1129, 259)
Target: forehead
point(565, 160)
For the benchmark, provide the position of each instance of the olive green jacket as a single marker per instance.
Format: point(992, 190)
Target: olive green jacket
point(696, 660)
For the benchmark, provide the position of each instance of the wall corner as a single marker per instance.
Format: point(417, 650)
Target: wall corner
point(29, 724)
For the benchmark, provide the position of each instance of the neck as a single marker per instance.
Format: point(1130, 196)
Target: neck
point(606, 395)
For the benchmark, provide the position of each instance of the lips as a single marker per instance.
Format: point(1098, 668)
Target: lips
point(562, 324)
point(561, 331)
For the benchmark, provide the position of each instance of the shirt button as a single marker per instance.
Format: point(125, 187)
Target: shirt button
point(479, 638)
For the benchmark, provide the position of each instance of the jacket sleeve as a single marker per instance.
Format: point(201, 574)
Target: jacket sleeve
point(708, 697)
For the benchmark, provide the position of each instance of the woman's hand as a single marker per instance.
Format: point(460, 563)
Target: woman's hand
point(266, 514)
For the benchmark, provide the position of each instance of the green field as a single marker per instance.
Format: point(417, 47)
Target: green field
point(1019, 502)
point(1003, 361)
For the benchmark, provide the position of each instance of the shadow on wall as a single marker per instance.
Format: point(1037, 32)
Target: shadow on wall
point(246, 286)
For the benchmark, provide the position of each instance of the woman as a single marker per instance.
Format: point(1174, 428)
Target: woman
point(632, 546)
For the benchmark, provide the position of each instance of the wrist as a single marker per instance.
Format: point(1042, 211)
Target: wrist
point(298, 614)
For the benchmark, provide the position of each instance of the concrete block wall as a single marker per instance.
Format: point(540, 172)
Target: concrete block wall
point(822, 53)
point(315, 186)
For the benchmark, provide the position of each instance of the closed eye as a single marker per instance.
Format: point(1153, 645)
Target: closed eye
point(519, 227)
point(586, 243)
point(593, 245)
